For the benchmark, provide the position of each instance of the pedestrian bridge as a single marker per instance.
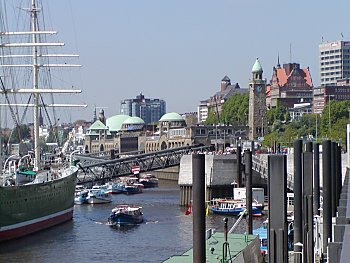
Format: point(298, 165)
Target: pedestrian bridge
point(104, 166)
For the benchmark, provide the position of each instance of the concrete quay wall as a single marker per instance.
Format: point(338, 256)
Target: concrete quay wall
point(171, 173)
point(220, 173)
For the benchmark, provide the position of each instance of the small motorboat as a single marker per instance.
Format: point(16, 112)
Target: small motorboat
point(125, 215)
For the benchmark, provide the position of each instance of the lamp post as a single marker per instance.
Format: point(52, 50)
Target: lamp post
point(329, 114)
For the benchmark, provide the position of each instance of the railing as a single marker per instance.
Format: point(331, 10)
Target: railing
point(108, 169)
point(260, 165)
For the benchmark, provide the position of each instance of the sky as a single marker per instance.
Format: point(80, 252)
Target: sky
point(180, 50)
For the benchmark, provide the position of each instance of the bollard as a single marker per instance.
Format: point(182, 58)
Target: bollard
point(327, 194)
point(249, 193)
point(333, 179)
point(277, 227)
point(316, 179)
point(239, 166)
point(308, 233)
point(198, 208)
point(298, 230)
point(308, 147)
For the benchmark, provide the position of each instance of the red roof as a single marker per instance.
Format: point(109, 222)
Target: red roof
point(282, 77)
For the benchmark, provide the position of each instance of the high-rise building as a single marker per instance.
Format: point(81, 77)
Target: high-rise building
point(334, 62)
point(150, 110)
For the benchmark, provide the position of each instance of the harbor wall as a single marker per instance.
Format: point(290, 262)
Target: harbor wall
point(220, 173)
point(170, 173)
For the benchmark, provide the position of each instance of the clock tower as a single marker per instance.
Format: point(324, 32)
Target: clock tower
point(257, 119)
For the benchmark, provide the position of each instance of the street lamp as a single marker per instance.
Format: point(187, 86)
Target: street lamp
point(329, 114)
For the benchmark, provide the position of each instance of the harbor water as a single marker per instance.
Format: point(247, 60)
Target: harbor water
point(167, 231)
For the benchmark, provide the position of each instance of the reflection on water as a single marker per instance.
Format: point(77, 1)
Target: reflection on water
point(166, 231)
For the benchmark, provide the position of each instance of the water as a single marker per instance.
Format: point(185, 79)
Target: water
point(167, 231)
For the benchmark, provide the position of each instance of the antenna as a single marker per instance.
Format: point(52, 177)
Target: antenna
point(290, 52)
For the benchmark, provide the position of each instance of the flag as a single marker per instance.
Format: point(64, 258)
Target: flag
point(341, 34)
point(189, 210)
point(207, 211)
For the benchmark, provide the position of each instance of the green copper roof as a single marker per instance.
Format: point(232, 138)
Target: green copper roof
point(134, 120)
point(171, 116)
point(237, 249)
point(115, 122)
point(257, 67)
point(98, 125)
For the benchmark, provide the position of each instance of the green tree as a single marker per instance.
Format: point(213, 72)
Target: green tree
point(235, 109)
point(212, 117)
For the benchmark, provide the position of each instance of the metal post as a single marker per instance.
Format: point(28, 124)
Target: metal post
point(348, 143)
point(277, 227)
point(225, 239)
point(308, 243)
point(339, 180)
point(249, 192)
point(3, 181)
point(198, 183)
point(308, 147)
point(298, 144)
point(316, 179)
point(327, 196)
point(333, 179)
point(239, 165)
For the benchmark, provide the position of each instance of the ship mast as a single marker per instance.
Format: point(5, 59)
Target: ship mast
point(36, 64)
point(35, 86)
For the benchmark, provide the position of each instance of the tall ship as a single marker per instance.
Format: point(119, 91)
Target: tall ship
point(34, 195)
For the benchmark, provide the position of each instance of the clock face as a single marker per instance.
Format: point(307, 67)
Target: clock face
point(258, 88)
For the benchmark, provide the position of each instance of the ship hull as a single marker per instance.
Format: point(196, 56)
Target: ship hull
point(30, 208)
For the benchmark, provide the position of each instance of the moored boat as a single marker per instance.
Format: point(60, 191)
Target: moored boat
point(149, 181)
point(125, 215)
point(114, 188)
point(32, 207)
point(98, 195)
point(234, 207)
point(81, 197)
point(33, 198)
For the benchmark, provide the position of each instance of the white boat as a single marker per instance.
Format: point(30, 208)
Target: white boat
point(98, 195)
point(81, 197)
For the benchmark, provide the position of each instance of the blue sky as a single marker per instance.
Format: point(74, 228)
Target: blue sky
point(180, 50)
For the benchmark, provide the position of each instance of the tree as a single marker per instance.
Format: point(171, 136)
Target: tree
point(212, 117)
point(21, 132)
point(235, 109)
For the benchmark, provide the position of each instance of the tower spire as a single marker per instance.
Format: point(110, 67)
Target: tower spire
point(278, 61)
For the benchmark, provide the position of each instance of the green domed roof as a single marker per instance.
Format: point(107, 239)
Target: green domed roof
point(171, 116)
point(134, 120)
point(115, 122)
point(257, 67)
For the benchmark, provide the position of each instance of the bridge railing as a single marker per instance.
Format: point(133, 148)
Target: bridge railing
point(109, 169)
point(260, 165)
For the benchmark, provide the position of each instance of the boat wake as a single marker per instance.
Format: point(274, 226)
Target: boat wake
point(152, 222)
